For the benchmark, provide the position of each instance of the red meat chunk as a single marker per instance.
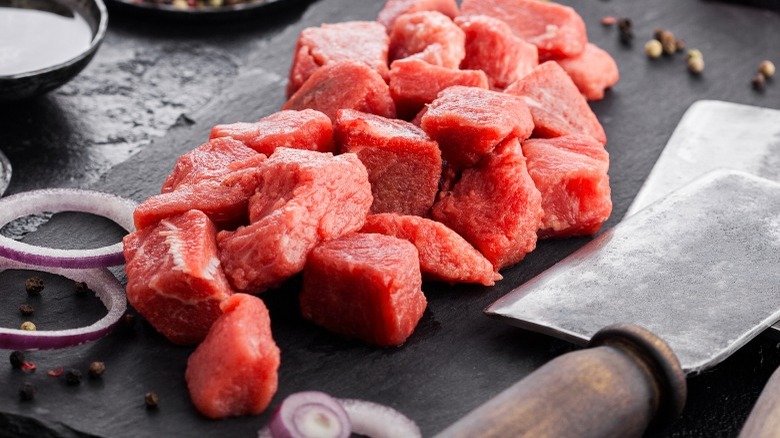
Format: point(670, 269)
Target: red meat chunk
point(469, 122)
point(414, 82)
point(593, 71)
point(211, 160)
point(556, 105)
point(347, 84)
point(403, 163)
point(395, 8)
point(306, 129)
point(224, 198)
point(366, 286)
point(306, 198)
point(444, 255)
point(555, 29)
point(234, 370)
point(495, 206)
point(571, 174)
point(174, 277)
point(430, 36)
point(363, 41)
point(493, 48)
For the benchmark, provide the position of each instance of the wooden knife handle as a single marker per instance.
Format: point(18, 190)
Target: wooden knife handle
point(764, 419)
point(627, 380)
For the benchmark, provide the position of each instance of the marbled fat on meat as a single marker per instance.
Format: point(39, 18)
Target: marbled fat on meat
point(234, 371)
point(444, 255)
point(211, 160)
point(365, 286)
point(306, 197)
point(403, 163)
point(395, 8)
point(307, 129)
point(174, 277)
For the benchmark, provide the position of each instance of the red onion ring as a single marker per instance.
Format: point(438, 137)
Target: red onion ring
point(118, 209)
point(106, 287)
point(309, 414)
point(379, 421)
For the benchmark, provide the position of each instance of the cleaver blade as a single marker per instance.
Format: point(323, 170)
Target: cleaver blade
point(698, 268)
point(713, 134)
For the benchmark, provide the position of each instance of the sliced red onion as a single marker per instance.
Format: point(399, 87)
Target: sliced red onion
point(379, 421)
point(106, 287)
point(118, 209)
point(309, 414)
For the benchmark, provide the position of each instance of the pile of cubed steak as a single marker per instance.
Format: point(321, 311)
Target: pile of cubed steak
point(437, 143)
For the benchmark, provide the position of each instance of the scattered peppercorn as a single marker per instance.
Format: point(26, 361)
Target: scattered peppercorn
point(151, 399)
point(96, 369)
point(27, 391)
point(759, 82)
point(694, 53)
point(17, 359)
point(127, 321)
point(626, 27)
point(680, 44)
point(34, 285)
point(653, 49)
point(608, 20)
point(73, 377)
point(26, 309)
point(767, 68)
point(696, 65)
point(29, 326)
point(668, 42)
point(81, 287)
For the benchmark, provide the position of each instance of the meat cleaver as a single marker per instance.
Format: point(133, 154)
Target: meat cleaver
point(713, 134)
point(698, 269)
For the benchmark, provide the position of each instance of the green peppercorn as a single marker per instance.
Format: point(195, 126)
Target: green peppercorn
point(29, 326)
point(34, 285)
point(96, 369)
point(73, 377)
point(696, 65)
point(17, 359)
point(767, 68)
point(27, 391)
point(653, 49)
point(152, 400)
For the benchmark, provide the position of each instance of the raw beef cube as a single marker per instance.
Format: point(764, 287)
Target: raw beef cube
point(306, 197)
point(211, 160)
point(430, 36)
point(492, 48)
point(395, 8)
point(495, 206)
point(469, 122)
point(417, 120)
point(234, 370)
point(403, 163)
point(555, 29)
point(414, 82)
point(363, 41)
point(593, 71)
point(174, 278)
point(348, 84)
point(366, 286)
point(557, 106)
point(224, 200)
point(444, 255)
point(306, 129)
point(571, 174)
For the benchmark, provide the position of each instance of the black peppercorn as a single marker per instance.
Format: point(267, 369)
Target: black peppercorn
point(27, 391)
point(81, 288)
point(17, 359)
point(151, 399)
point(26, 309)
point(73, 377)
point(34, 285)
point(127, 321)
point(96, 369)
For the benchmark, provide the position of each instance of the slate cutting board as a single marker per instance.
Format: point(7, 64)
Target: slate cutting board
point(457, 358)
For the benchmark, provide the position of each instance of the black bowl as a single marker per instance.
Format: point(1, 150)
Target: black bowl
point(36, 82)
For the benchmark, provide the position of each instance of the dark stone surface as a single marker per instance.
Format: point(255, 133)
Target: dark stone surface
point(153, 92)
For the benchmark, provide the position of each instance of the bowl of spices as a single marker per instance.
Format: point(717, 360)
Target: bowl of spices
point(45, 43)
